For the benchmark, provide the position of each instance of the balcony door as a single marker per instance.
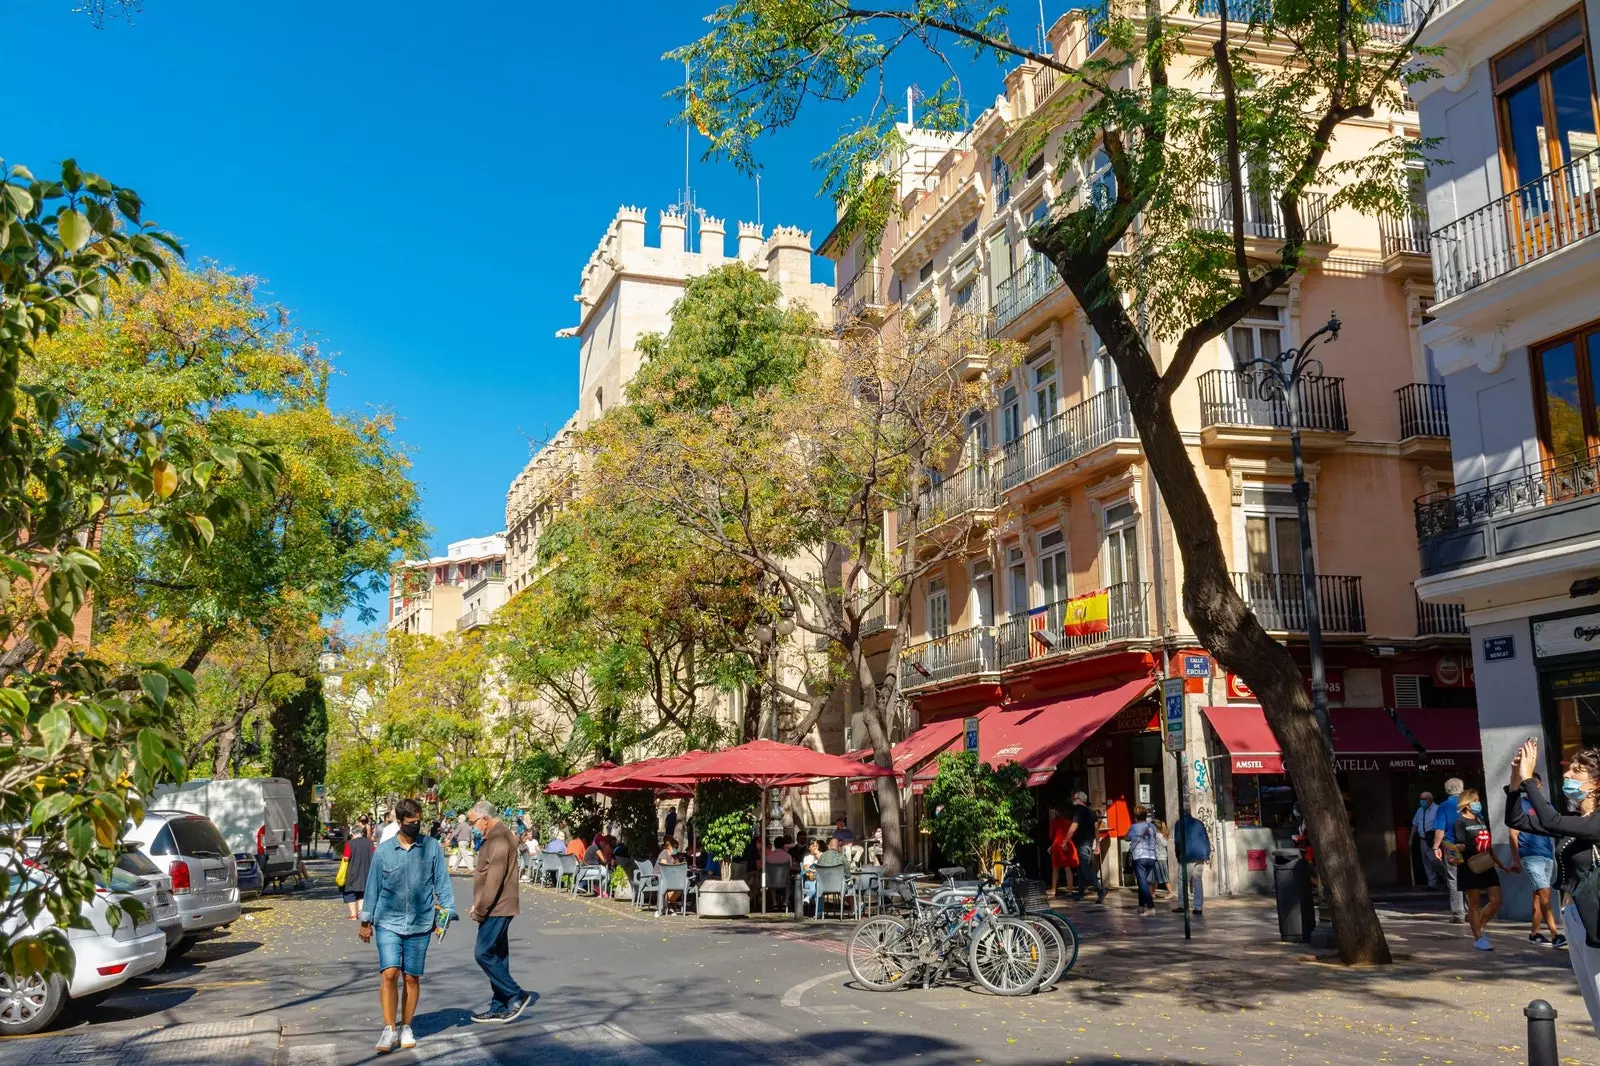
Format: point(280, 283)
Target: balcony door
point(1547, 118)
point(1053, 576)
point(982, 611)
point(1011, 458)
point(1272, 548)
point(1566, 370)
point(938, 609)
point(1121, 566)
point(1252, 400)
point(977, 459)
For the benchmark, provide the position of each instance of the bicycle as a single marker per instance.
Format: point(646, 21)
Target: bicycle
point(1007, 955)
point(1021, 898)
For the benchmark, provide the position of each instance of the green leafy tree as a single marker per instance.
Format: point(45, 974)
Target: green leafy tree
point(725, 819)
point(635, 816)
point(85, 739)
point(979, 811)
point(1175, 108)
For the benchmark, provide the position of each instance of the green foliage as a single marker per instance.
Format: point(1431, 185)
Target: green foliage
point(725, 818)
point(635, 816)
point(978, 810)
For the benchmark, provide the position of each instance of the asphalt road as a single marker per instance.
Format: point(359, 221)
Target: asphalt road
point(615, 989)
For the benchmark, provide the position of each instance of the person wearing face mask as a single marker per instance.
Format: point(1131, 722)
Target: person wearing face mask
point(1422, 833)
point(1535, 855)
point(1477, 873)
point(408, 887)
point(1443, 820)
point(1577, 834)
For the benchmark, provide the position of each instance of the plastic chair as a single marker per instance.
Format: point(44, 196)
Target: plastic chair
point(831, 881)
point(644, 882)
point(673, 877)
point(869, 885)
point(569, 868)
point(778, 880)
point(588, 873)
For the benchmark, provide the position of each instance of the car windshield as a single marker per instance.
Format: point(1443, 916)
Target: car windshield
point(134, 862)
point(197, 837)
point(119, 881)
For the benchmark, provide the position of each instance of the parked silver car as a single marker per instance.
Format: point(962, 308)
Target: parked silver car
point(199, 862)
point(167, 916)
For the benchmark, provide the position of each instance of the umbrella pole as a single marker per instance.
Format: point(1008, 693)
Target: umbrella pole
point(763, 812)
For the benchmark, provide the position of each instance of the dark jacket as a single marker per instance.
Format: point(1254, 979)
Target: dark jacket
point(1576, 834)
point(360, 851)
point(1194, 843)
point(494, 878)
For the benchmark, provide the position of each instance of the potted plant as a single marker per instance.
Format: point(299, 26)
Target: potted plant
point(978, 810)
point(622, 881)
point(725, 813)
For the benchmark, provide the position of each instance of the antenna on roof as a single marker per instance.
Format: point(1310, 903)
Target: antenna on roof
point(1041, 26)
point(911, 106)
point(687, 200)
point(758, 199)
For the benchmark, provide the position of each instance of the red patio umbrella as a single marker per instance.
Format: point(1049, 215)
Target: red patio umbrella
point(625, 778)
point(769, 764)
point(577, 784)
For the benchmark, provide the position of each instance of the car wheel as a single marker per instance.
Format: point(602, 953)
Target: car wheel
point(28, 1004)
point(181, 948)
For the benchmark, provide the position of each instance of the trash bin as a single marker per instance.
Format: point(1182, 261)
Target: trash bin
point(1291, 886)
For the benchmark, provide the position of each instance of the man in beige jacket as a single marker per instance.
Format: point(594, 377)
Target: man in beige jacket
point(495, 902)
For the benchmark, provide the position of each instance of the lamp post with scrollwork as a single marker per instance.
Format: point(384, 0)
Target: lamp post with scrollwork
point(1281, 376)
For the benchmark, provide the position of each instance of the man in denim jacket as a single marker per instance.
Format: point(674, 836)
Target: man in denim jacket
point(407, 887)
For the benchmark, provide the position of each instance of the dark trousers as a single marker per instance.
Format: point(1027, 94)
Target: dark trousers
point(1144, 870)
point(1087, 874)
point(492, 952)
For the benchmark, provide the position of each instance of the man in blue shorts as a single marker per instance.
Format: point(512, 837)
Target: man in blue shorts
point(1536, 856)
point(407, 886)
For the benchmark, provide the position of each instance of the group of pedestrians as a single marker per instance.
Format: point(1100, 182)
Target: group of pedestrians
point(1075, 851)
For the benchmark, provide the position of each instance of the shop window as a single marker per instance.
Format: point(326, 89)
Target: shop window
point(1546, 107)
point(1264, 800)
point(1566, 369)
point(938, 609)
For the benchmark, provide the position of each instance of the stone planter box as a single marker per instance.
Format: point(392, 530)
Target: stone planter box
point(723, 899)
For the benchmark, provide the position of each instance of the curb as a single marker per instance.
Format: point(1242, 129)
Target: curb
point(266, 1034)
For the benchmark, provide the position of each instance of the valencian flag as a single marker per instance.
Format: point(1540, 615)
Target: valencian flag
point(1087, 614)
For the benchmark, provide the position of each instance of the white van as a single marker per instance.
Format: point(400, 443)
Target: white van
point(255, 815)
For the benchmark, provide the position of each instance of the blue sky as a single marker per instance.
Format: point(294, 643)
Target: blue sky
point(420, 185)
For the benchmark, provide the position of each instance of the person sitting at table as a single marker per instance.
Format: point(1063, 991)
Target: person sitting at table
point(670, 855)
point(807, 870)
point(778, 854)
point(841, 831)
point(833, 855)
point(798, 850)
point(578, 847)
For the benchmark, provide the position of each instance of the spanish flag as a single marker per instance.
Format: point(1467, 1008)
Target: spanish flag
point(1087, 614)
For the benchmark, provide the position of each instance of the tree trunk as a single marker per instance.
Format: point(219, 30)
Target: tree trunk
point(1226, 626)
point(221, 762)
point(875, 716)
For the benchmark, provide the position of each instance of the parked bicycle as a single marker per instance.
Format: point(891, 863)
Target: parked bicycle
point(1020, 897)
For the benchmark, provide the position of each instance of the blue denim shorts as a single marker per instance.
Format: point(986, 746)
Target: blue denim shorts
point(408, 952)
point(1539, 869)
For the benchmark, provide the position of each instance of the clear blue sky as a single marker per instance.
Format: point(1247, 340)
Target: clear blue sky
point(420, 185)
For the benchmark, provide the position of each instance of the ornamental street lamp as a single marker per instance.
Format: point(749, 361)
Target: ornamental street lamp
point(1281, 376)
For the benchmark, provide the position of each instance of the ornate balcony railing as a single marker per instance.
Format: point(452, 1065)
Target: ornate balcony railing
point(1404, 233)
point(861, 294)
point(966, 653)
point(1213, 210)
point(1074, 432)
point(1077, 623)
point(1563, 479)
point(969, 489)
point(1548, 214)
point(1440, 619)
point(1245, 398)
point(1422, 411)
point(875, 619)
point(1279, 601)
point(1031, 282)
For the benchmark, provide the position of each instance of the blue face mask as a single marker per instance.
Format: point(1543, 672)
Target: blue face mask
point(1475, 807)
point(1572, 790)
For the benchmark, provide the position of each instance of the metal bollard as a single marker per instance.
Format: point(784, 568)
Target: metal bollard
point(1541, 1033)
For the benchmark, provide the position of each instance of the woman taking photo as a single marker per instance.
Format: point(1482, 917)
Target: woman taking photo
point(1578, 835)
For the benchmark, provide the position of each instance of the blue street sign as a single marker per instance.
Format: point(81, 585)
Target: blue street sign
point(1499, 649)
point(1197, 666)
point(1172, 695)
point(971, 728)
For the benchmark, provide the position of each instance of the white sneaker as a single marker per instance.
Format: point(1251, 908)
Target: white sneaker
point(386, 1039)
point(406, 1039)
point(1482, 944)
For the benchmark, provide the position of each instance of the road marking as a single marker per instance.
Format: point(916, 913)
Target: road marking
point(792, 997)
point(310, 1055)
point(779, 1045)
point(605, 1043)
point(453, 1047)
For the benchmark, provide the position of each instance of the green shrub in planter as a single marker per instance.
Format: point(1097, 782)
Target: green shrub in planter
point(725, 813)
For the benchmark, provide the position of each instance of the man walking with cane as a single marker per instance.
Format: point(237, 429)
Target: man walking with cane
point(495, 901)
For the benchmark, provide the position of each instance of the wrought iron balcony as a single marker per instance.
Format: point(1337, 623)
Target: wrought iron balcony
point(1550, 213)
point(861, 296)
point(968, 490)
point(1279, 601)
point(875, 618)
point(1540, 504)
point(1031, 282)
point(967, 653)
point(1440, 619)
point(1072, 625)
point(1407, 233)
point(1213, 210)
point(1074, 432)
point(1422, 411)
point(1245, 398)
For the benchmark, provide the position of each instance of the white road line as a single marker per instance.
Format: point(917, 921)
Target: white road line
point(453, 1047)
point(792, 997)
point(779, 1045)
point(605, 1043)
point(309, 1055)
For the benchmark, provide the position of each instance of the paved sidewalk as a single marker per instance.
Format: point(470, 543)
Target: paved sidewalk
point(249, 1042)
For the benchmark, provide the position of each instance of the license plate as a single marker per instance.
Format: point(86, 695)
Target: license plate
point(216, 875)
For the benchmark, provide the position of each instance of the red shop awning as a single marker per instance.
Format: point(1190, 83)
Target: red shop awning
point(1249, 741)
point(910, 753)
point(1040, 734)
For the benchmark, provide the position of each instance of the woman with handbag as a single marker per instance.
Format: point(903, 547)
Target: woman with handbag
point(352, 876)
point(1577, 854)
point(1473, 848)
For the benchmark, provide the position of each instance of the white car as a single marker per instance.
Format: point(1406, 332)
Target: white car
point(255, 815)
point(104, 955)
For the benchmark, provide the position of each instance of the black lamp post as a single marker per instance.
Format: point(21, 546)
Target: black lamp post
point(1281, 375)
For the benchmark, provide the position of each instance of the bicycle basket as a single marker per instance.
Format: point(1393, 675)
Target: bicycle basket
point(1030, 895)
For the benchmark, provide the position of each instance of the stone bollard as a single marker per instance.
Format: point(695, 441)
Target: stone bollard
point(1541, 1033)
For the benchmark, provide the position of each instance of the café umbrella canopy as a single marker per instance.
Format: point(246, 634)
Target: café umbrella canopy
point(577, 784)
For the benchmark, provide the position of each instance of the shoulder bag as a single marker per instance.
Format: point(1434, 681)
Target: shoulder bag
point(1586, 897)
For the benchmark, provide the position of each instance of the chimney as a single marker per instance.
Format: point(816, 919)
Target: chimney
point(713, 239)
point(749, 242)
point(789, 257)
point(672, 231)
point(630, 226)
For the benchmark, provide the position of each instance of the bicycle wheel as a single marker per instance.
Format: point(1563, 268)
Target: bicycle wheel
point(1069, 936)
point(882, 954)
point(1053, 962)
point(1006, 956)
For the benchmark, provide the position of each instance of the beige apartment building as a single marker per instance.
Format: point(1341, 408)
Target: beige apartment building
point(1054, 630)
point(458, 590)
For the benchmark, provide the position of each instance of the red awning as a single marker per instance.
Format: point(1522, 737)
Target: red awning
point(1249, 741)
point(1040, 734)
point(767, 763)
point(576, 785)
point(1364, 738)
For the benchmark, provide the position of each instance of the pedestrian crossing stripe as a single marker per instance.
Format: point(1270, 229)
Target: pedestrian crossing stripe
point(604, 1042)
point(779, 1045)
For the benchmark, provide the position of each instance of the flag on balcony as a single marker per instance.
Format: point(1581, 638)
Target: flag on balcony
point(1087, 614)
point(1038, 619)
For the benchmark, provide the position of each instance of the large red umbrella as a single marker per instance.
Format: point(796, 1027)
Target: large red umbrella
point(629, 777)
point(577, 784)
point(769, 764)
